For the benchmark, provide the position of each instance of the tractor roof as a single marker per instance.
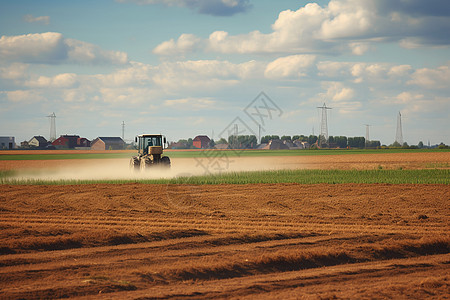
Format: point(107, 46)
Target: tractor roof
point(144, 135)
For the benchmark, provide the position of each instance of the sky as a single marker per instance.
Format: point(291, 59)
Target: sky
point(184, 68)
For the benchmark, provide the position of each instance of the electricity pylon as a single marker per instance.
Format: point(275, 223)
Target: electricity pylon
point(323, 137)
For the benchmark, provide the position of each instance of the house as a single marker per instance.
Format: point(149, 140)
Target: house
point(290, 144)
point(276, 145)
point(66, 142)
point(83, 142)
point(38, 141)
point(302, 144)
point(7, 143)
point(108, 143)
point(201, 141)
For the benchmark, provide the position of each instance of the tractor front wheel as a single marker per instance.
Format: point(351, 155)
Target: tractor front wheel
point(134, 164)
point(165, 161)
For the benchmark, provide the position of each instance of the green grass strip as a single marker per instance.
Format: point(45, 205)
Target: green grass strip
point(425, 176)
point(213, 153)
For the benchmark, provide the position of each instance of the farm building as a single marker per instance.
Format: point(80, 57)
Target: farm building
point(38, 142)
point(302, 144)
point(7, 143)
point(70, 142)
point(66, 141)
point(276, 145)
point(108, 143)
point(83, 142)
point(201, 141)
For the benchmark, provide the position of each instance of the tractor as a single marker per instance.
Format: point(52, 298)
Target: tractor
point(150, 152)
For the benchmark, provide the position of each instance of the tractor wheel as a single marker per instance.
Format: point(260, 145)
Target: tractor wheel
point(134, 164)
point(145, 164)
point(165, 161)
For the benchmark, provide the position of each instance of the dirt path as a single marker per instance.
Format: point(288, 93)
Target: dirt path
point(225, 241)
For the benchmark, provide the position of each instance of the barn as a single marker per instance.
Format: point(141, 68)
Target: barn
point(201, 141)
point(108, 143)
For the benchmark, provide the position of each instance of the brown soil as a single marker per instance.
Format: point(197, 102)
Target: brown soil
point(414, 160)
point(285, 241)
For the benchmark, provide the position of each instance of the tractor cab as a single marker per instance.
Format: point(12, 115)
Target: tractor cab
point(150, 144)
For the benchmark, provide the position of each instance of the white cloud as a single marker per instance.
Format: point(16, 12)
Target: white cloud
point(14, 71)
point(438, 78)
point(65, 80)
point(337, 92)
point(209, 7)
point(290, 67)
point(342, 25)
point(359, 48)
point(41, 19)
point(191, 103)
point(134, 75)
point(53, 48)
point(407, 97)
point(128, 95)
point(24, 96)
point(204, 74)
point(185, 43)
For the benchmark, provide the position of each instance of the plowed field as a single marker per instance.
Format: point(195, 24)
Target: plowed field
point(139, 241)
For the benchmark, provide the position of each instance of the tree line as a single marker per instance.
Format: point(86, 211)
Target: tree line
point(251, 141)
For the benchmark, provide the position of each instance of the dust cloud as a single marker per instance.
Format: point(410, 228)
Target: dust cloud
point(119, 169)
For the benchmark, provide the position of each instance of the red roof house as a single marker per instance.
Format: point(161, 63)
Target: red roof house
point(66, 141)
point(201, 141)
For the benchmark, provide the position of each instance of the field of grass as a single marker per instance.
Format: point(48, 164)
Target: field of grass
point(426, 176)
point(54, 154)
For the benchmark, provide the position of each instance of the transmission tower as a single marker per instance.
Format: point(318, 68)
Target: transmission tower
point(52, 119)
point(367, 134)
point(399, 133)
point(123, 130)
point(323, 137)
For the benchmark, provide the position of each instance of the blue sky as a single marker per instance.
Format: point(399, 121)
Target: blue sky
point(190, 67)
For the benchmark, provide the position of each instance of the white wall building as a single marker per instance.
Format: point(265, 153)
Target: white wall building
point(7, 143)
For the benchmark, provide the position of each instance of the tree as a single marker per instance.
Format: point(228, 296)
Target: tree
point(190, 143)
point(266, 139)
point(212, 143)
point(286, 138)
point(222, 141)
point(242, 141)
point(341, 141)
point(356, 142)
point(301, 138)
point(373, 144)
point(443, 146)
point(395, 145)
point(420, 145)
point(312, 139)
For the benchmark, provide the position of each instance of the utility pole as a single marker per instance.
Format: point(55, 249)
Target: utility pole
point(123, 130)
point(399, 132)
